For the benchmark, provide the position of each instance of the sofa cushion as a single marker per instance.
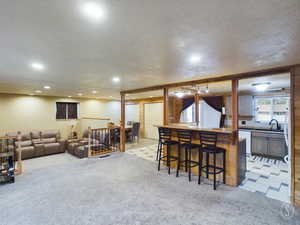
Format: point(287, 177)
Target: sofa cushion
point(49, 134)
point(71, 147)
point(12, 134)
point(52, 148)
point(24, 143)
point(25, 136)
point(48, 140)
point(81, 151)
point(27, 152)
point(27, 148)
point(37, 141)
point(39, 150)
point(35, 134)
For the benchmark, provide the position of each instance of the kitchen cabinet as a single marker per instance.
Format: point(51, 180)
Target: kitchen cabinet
point(259, 145)
point(269, 144)
point(277, 147)
point(245, 105)
point(245, 109)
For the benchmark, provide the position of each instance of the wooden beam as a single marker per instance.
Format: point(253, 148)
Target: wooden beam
point(122, 130)
point(295, 134)
point(235, 136)
point(142, 119)
point(292, 114)
point(166, 106)
point(216, 78)
point(234, 105)
point(197, 98)
point(145, 100)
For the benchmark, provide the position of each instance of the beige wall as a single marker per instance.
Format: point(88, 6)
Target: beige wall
point(25, 113)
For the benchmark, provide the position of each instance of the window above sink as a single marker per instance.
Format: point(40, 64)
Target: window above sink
point(271, 107)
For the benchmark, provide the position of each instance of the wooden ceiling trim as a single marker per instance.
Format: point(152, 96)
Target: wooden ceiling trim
point(238, 76)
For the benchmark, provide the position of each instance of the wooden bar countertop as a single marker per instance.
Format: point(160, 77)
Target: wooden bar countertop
point(197, 128)
point(235, 150)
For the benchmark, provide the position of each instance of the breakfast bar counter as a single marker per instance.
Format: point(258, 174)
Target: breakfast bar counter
point(226, 139)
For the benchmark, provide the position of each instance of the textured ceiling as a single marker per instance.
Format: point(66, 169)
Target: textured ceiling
point(143, 42)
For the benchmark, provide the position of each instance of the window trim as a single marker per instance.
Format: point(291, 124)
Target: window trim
point(272, 112)
point(78, 113)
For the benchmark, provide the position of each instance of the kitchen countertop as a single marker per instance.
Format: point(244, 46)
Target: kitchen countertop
point(256, 129)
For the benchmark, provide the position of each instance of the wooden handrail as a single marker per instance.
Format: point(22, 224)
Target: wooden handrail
point(106, 128)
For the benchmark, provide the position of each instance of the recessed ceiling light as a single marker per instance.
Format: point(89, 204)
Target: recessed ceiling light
point(69, 96)
point(261, 86)
point(93, 11)
point(194, 59)
point(94, 92)
point(47, 87)
point(38, 91)
point(116, 79)
point(79, 94)
point(37, 66)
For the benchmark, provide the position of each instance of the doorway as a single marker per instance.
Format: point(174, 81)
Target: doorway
point(264, 112)
point(153, 116)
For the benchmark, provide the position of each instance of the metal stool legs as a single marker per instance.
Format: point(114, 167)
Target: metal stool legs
point(200, 157)
point(214, 167)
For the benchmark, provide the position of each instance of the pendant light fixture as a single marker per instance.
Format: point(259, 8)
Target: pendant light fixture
point(207, 90)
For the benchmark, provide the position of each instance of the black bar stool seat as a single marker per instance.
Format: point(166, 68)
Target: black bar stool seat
point(189, 145)
point(165, 139)
point(208, 145)
point(186, 145)
point(169, 142)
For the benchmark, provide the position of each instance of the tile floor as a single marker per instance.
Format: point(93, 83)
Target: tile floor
point(147, 152)
point(267, 177)
point(264, 176)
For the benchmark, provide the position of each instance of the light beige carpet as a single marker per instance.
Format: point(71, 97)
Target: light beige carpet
point(125, 189)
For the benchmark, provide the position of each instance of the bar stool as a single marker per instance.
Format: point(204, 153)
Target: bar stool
point(208, 142)
point(185, 143)
point(165, 139)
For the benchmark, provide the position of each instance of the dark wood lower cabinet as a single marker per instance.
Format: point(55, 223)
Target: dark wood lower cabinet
point(259, 145)
point(268, 144)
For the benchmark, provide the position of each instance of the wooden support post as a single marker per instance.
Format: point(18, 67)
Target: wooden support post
point(89, 141)
point(20, 165)
point(122, 131)
point(142, 118)
point(166, 106)
point(235, 137)
point(295, 134)
point(197, 98)
point(234, 105)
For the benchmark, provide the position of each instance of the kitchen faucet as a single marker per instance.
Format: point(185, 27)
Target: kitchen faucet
point(277, 124)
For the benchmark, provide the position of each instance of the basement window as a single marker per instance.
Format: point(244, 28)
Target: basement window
point(67, 110)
